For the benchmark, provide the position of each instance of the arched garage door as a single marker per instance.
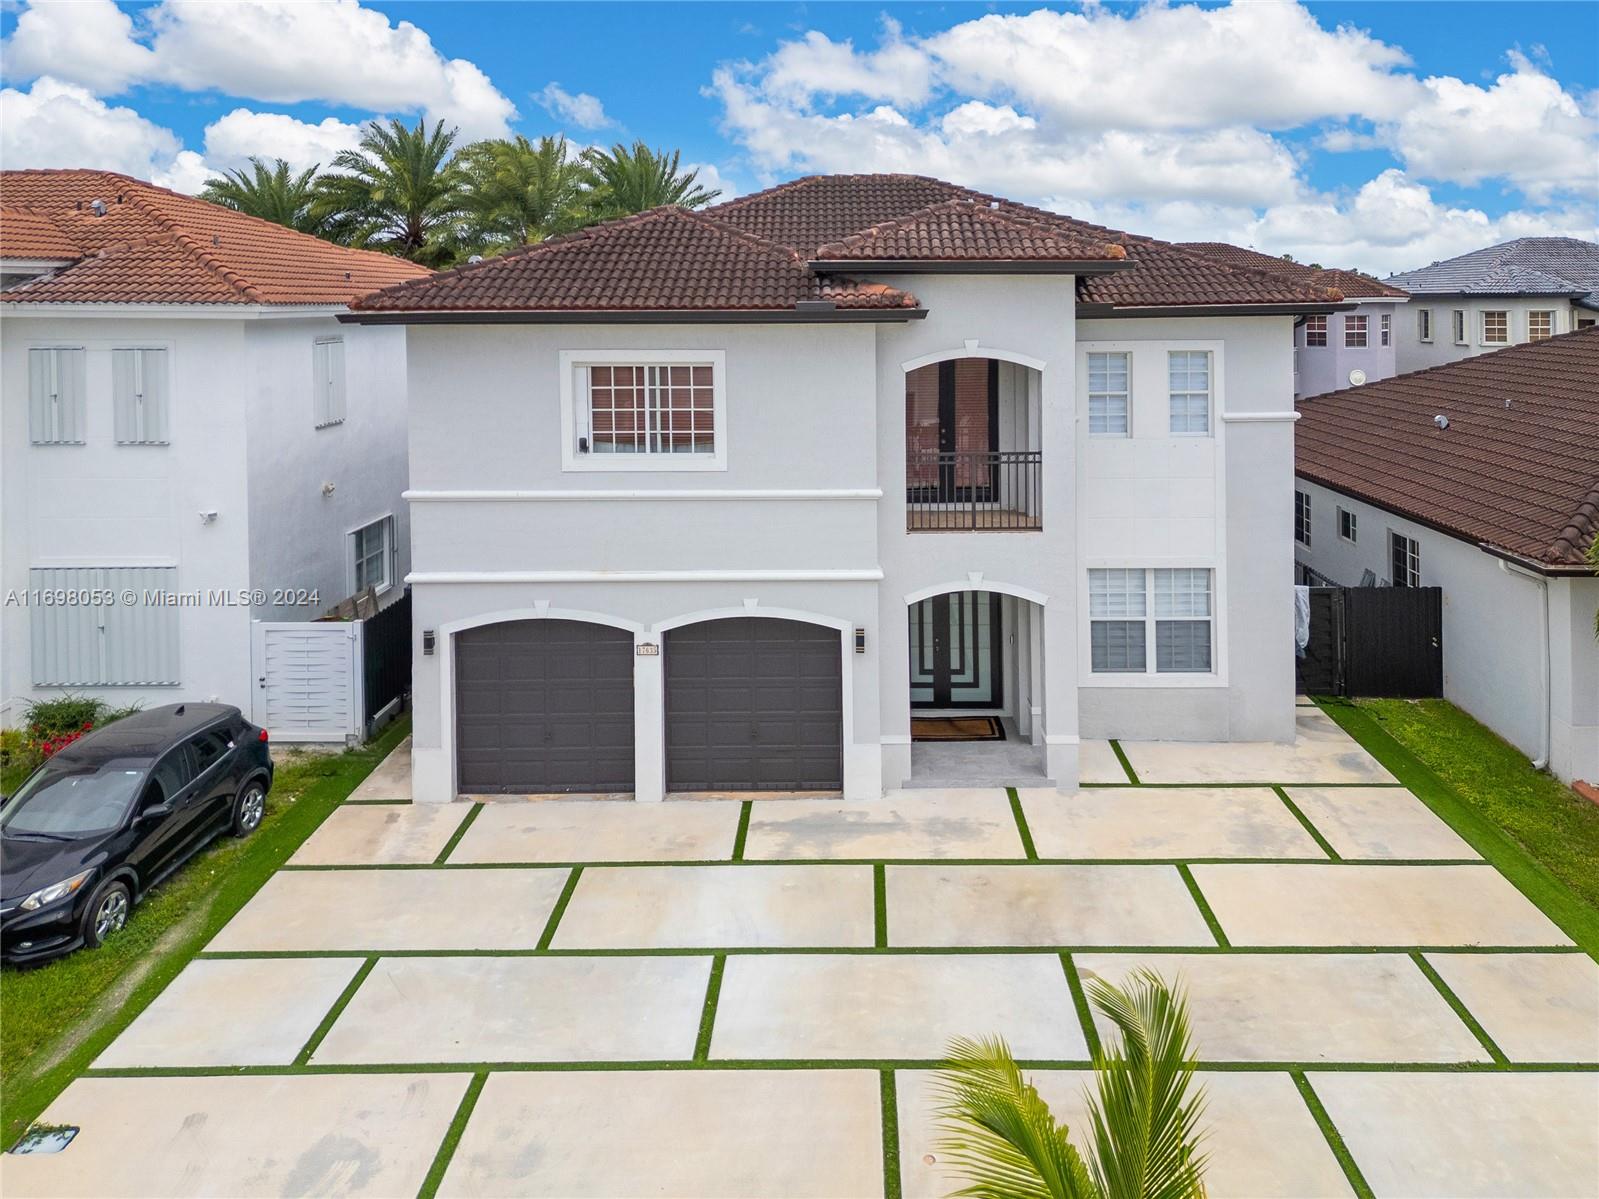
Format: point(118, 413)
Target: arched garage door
point(754, 704)
point(544, 705)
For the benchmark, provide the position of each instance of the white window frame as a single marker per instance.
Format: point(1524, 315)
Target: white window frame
point(1352, 520)
point(1151, 676)
point(1126, 396)
point(1356, 325)
point(390, 553)
point(575, 410)
point(1318, 324)
point(1385, 329)
point(330, 391)
point(1210, 395)
point(1482, 326)
point(1553, 326)
point(1302, 506)
point(1412, 558)
point(1424, 325)
point(1457, 319)
point(142, 420)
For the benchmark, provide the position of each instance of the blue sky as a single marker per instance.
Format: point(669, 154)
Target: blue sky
point(1379, 135)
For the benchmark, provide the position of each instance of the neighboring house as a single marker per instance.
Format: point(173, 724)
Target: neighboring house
point(715, 501)
point(1481, 478)
point(183, 416)
point(1334, 351)
point(1524, 290)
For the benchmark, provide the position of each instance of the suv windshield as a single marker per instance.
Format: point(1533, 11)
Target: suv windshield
point(67, 801)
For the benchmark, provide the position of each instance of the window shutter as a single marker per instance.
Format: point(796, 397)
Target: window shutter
point(139, 387)
point(56, 388)
point(335, 382)
point(104, 645)
point(327, 369)
point(319, 383)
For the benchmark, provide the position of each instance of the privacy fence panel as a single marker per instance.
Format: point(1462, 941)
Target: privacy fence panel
point(1374, 641)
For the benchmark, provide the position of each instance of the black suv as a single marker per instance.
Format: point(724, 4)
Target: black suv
point(105, 819)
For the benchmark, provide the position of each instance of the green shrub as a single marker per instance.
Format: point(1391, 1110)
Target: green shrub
point(53, 724)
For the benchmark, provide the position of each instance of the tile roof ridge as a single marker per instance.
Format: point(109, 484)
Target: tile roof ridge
point(1329, 294)
point(1581, 531)
point(200, 254)
point(984, 209)
point(808, 180)
point(754, 239)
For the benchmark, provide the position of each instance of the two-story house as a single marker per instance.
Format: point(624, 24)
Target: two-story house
point(1331, 352)
point(1505, 295)
point(758, 498)
point(190, 439)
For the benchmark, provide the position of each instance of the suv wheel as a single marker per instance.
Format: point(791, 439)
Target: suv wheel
point(248, 809)
point(107, 913)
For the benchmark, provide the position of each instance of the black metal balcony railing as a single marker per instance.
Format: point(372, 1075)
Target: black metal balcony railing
point(966, 490)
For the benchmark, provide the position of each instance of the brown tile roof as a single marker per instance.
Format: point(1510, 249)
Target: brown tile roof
point(666, 258)
point(156, 246)
point(854, 219)
point(1517, 467)
point(1352, 284)
point(30, 233)
point(966, 231)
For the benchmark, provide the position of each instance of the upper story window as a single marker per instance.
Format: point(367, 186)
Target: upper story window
point(56, 386)
point(1496, 328)
point(1459, 319)
point(1108, 391)
point(1354, 332)
point(1124, 619)
point(1189, 376)
point(139, 396)
point(372, 555)
point(1315, 330)
point(1348, 527)
point(635, 410)
point(1424, 324)
point(1585, 322)
point(1404, 560)
point(1540, 325)
point(1386, 330)
point(327, 381)
point(1302, 517)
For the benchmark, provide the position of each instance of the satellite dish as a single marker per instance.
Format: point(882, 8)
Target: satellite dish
point(1357, 377)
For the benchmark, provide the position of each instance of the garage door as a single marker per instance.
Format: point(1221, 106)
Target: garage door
point(544, 705)
point(754, 704)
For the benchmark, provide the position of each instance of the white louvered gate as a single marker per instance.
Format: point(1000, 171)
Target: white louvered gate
point(307, 679)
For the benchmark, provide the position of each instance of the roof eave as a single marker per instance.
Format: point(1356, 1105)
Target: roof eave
point(970, 266)
point(623, 316)
point(1457, 294)
point(1089, 311)
point(1552, 569)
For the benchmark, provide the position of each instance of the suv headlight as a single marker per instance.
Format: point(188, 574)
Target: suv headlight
point(54, 891)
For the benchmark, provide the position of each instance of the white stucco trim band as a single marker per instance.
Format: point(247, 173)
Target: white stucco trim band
point(652, 494)
point(874, 575)
point(1259, 417)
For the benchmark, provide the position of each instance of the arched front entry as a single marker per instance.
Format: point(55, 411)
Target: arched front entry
point(544, 705)
point(754, 703)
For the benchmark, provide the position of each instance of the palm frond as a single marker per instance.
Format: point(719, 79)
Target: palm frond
point(1145, 1110)
point(998, 1135)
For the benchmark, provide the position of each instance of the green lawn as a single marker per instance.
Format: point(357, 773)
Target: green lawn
point(58, 1017)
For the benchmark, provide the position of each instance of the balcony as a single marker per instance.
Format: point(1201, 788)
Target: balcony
point(973, 491)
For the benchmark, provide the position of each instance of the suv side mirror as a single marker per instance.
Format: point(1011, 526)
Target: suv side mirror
point(155, 812)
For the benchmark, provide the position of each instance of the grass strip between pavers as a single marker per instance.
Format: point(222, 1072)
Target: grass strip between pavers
point(879, 907)
point(1335, 1140)
point(1085, 1014)
point(1026, 834)
point(343, 1001)
point(452, 1137)
point(1460, 1009)
point(644, 863)
point(1309, 827)
point(455, 837)
point(742, 836)
point(330, 778)
point(559, 909)
point(1203, 905)
point(1121, 756)
point(1574, 917)
point(713, 992)
point(892, 1186)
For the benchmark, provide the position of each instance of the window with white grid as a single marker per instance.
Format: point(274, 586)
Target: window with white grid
point(1182, 621)
point(1130, 609)
point(1189, 376)
point(1458, 322)
point(1354, 332)
point(1315, 330)
point(651, 408)
point(1117, 607)
point(1386, 329)
point(1404, 560)
point(1496, 328)
point(1540, 325)
point(1424, 324)
point(1108, 394)
point(1302, 518)
point(372, 555)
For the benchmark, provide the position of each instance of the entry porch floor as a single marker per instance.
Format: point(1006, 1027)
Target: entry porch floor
point(748, 998)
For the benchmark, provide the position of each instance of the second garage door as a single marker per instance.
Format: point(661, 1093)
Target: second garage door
point(754, 704)
point(544, 705)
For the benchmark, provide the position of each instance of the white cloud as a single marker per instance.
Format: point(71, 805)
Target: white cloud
point(712, 179)
point(583, 110)
point(798, 72)
point(275, 50)
point(232, 140)
point(56, 124)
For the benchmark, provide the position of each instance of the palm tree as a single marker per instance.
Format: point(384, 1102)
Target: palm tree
point(517, 192)
point(268, 192)
point(627, 179)
point(399, 191)
point(1001, 1138)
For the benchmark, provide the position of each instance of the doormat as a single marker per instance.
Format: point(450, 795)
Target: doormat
point(956, 728)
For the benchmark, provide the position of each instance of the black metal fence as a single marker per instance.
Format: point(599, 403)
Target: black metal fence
point(386, 657)
point(1374, 641)
point(965, 490)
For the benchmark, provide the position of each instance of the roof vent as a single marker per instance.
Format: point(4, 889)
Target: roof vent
point(474, 260)
point(993, 204)
point(98, 206)
point(1441, 421)
point(346, 276)
point(216, 239)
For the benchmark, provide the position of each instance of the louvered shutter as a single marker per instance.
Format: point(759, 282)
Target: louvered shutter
point(327, 368)
point(56, 387)
point(139, 387)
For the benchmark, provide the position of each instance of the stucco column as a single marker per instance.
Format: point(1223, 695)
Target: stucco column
point(432, 766)
point(649, 722)
point(1060, 694)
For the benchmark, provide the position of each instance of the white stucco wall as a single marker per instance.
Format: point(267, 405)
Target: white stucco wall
point(1415, 355)
point(1320, 369)
point(1494, 664)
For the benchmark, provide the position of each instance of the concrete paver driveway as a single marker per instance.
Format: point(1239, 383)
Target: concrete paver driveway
point(738, 999)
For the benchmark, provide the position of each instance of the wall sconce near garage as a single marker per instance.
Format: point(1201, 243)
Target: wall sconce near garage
point(860, 641)
point(427, 642)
